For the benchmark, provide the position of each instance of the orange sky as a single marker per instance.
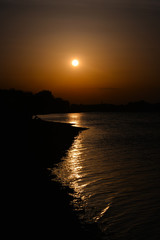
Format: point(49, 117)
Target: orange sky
point(117, 45)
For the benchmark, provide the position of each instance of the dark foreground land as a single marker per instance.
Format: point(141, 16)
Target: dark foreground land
point(33, 205)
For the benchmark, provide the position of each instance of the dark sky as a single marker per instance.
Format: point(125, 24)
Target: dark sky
point(115, 41)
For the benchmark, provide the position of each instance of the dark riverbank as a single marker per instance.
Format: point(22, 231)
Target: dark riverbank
point(35, 205)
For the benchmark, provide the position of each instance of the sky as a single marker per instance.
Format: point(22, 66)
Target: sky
point(115, 41)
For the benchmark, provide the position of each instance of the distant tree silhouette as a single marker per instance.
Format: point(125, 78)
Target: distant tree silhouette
point(26, 104)
point(16, 103)
point(43, 102)
point(140, 106)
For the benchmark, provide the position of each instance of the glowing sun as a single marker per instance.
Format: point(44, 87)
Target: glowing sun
point(75, 63)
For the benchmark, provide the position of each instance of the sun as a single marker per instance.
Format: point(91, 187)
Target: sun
point(75, 63)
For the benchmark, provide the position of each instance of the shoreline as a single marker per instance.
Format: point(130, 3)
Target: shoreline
point(41, 206)
point(57, 197)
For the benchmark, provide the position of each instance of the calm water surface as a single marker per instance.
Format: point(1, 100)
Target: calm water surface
point(114, 170)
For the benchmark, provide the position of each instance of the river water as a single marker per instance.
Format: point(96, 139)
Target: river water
point(113, 168)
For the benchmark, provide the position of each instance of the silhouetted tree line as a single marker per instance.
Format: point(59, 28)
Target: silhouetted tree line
point(26, 104)
point(140, 106)
point(45, 103)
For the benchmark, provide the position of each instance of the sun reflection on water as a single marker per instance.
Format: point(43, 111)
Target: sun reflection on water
point(74, 163)
point(74, 171)
point(70, 170)
point(71, 173)
point(74, 119)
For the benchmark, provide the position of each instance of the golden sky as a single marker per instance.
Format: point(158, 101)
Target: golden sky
point(116, 43)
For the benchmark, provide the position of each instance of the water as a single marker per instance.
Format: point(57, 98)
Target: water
point(114, 170)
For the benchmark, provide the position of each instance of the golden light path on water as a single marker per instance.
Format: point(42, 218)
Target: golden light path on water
point(70, 170)
point(75, 119)
point(73, 172)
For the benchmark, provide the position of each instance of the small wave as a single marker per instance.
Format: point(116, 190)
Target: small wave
point(100, 215)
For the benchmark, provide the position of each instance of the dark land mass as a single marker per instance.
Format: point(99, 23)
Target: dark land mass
point(33, 205)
